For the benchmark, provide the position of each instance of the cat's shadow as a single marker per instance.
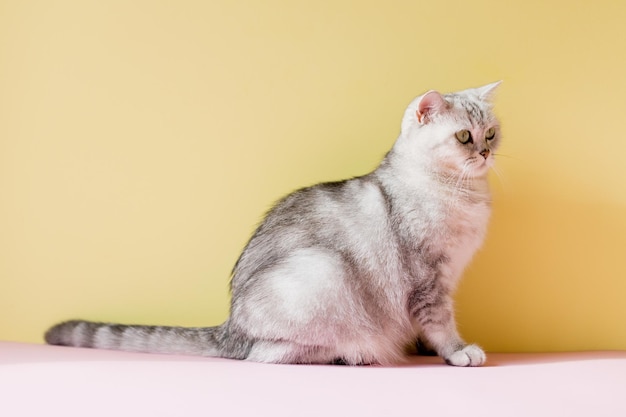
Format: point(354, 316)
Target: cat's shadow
point(520, 359)
point(23, 353)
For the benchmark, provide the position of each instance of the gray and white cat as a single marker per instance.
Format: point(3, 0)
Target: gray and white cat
point(355, 271)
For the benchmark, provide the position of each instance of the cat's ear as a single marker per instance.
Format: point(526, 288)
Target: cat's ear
point(487, 92)
point(429, 103)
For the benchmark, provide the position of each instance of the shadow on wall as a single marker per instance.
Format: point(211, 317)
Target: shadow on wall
point(551, 276)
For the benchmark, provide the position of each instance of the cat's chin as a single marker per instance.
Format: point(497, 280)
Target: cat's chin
point(472, 170)
point(478, 172)
point(481, 169)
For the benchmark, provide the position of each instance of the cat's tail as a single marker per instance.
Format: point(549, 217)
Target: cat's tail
point(201, 341)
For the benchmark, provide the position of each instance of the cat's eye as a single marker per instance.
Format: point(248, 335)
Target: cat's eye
point(491, 133)
point(464, 136)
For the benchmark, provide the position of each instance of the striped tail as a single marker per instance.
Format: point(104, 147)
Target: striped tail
point(201, 341)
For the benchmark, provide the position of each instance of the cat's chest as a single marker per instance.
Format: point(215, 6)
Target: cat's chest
point(445, 217)
point(447, 227)
point(459, 234)
point(464, 219)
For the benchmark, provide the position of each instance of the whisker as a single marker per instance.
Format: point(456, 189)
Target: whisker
point(507, 156)
point(500, 177)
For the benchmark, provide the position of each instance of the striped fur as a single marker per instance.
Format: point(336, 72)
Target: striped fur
point(353, 271)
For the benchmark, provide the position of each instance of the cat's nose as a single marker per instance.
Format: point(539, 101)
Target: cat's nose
point(485, 153)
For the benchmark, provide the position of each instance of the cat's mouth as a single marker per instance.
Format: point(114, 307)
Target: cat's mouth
point(479, 165)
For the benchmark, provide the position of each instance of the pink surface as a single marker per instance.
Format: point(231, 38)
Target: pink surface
point(48, 380)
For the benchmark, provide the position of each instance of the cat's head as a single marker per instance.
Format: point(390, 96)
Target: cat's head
point(455, 132)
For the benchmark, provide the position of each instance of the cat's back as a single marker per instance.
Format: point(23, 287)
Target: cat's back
point(330, 200)
point(349, 216)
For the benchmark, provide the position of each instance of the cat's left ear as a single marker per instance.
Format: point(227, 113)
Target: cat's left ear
point(487, 92)
point(429, 103)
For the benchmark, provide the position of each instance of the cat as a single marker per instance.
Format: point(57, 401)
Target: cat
point(355, 271)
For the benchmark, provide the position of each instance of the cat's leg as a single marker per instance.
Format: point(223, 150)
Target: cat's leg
point(296, 310)
point(271, 352)
point(438, 327)
point(280, 351)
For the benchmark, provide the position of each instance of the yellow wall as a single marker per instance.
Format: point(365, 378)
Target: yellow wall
point(140, 142)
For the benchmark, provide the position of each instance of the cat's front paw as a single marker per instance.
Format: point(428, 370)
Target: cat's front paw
point(470, 355)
